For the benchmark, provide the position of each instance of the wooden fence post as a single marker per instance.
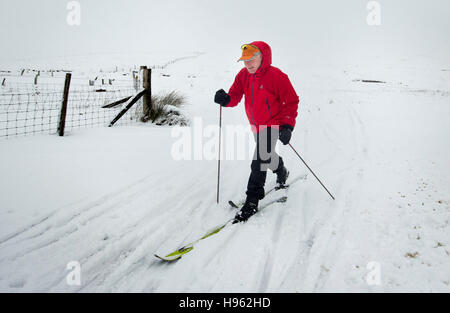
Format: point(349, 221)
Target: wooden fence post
point(135, 80)
point(147, 84)
point(62, 116)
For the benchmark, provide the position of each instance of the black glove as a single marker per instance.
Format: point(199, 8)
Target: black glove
point(222, 98)
point(286, 133)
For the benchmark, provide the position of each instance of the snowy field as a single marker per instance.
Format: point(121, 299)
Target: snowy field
point(373, 124)
point(109, 198)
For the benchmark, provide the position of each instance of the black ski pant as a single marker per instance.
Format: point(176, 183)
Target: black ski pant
point(264, 158)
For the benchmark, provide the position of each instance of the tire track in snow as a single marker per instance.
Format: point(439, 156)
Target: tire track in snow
point(298, 267)
point(315, 235)
point(66, 226)
point(165, 223)
point(327, 239)
point(158, 226)
point(106, 204)
point(268, 266)
point(99, 248)
point(81, 210)
point(26, 228)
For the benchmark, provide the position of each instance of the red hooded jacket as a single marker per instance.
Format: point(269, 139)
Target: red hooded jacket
point(270, 99)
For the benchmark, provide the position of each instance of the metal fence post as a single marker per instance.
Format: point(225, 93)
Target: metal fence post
point(62, 116)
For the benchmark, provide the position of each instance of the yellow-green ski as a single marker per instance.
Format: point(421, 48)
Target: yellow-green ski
point(180, 252)
point(176, 255)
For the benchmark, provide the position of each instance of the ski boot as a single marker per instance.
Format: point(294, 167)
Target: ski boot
point(250, 207)
point(282, 176)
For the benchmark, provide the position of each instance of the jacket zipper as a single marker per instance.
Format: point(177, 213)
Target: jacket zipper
point(251, 104)
point(268, 107)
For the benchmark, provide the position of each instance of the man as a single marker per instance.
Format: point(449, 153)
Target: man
point(271, 104)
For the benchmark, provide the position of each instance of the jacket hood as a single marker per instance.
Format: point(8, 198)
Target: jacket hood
point(266, 52)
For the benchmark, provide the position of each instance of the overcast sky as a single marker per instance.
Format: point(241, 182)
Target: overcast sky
point(38, 28)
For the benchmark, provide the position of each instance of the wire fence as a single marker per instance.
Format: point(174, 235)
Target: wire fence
point(31, 100)
point(27, 109)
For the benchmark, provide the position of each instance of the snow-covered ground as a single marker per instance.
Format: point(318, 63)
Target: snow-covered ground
point(109, 198)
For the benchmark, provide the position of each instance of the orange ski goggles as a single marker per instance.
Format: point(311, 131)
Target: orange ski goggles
point(249, 52)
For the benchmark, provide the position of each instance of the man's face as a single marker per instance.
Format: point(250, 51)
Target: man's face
point(253, 65)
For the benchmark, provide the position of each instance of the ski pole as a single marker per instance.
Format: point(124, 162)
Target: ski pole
point(218, 165)
point(311, 170)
